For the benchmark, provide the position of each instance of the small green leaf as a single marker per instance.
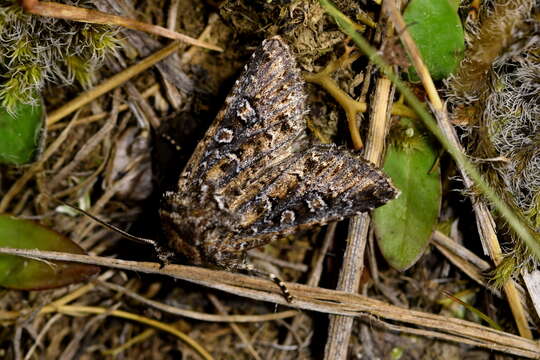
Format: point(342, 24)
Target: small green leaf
point(404, 225)
point(20, 133)
point(436, 28)
point(27, 274)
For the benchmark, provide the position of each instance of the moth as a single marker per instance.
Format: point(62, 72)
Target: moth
point(254, 177)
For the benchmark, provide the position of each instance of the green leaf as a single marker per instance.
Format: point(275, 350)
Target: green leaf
point(404, 225)
point(20, 133)
point(27, 274)
point(436, 28)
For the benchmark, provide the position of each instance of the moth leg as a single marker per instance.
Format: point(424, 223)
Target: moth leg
point(231, 255)
point(276, 279)
point(164, 255)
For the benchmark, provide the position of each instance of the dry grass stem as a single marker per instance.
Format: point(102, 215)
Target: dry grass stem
point(129, 343)
point(312, 299)
point(198, 315)
point(151, 91)
point(67, 12)
point(352, 268)
point(75, 310)
point(484, 219)
point(41, 335)
point(463, 259)
point(84, 152)
point(237, 330)
point(111, 83)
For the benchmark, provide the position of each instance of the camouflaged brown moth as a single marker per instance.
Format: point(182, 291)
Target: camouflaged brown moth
point(254, 177)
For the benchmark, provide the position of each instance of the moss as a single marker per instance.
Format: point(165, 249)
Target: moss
point(495, 95)
point(35, 50)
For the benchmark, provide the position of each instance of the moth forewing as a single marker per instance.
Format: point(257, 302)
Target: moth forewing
point(250, 181)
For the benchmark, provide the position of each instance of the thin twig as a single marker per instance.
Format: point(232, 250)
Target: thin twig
point(440, 113)
point(198, 315)
point(151, 91)
point(74, 13)
point(42, 333)
point(463, 259)
point(513, 220)
point(353, 262)
point(111, 83)
point(311, 299)
point(238, 331)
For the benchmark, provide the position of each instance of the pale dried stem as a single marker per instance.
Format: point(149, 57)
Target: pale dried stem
point(313, 280)
point(352, 107)
point(114, 352)
point(146, 117)
point(173, 15)
point(83, 153)
point(440, 239)
point(484, 219)
point(463, 259)
point(313, 299)
point(237, 330)
point(198, 315)
point(154, 89)
point(68, 12)
point(111, 83)
point(75, 310)
point(41, 335)
point(172, 92)
point(80, 291)
point(353, 263)
point(532, 282)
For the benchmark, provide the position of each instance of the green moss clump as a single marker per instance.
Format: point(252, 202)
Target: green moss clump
point(35, 50)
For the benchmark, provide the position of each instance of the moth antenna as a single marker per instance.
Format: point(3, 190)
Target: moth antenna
point(276, 279)
point(162, 254)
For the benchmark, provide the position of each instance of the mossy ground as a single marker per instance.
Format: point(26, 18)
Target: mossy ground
point(116, 164)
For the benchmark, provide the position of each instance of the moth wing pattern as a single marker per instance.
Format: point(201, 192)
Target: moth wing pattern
point(316, 185)
point(250, 180)
point(262, 114)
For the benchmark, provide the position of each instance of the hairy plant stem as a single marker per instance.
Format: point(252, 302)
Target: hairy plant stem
point(512, 219)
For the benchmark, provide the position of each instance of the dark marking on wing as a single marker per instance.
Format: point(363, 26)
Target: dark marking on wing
point(250, 181)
